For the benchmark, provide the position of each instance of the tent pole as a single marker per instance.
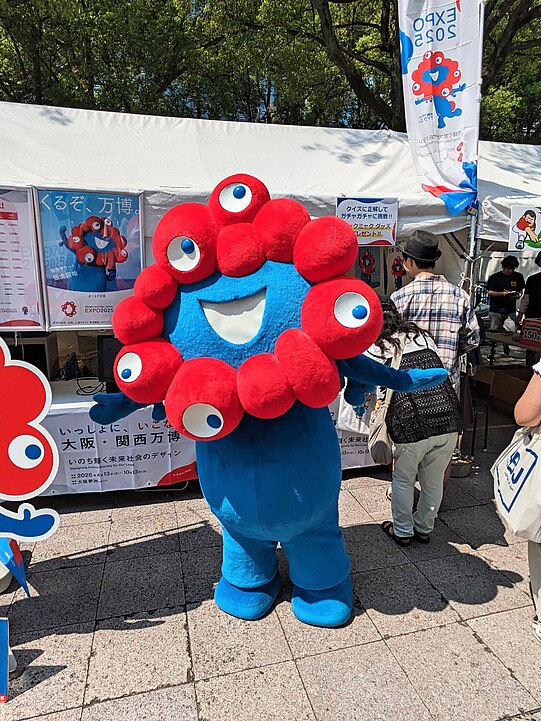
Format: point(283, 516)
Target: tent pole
point(472, 256)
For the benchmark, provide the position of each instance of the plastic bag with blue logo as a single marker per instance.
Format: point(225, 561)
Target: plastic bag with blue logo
point(517, 484)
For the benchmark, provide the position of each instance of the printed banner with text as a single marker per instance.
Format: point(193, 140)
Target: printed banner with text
point(92, 253)
point(440, 52)
point(20, 307)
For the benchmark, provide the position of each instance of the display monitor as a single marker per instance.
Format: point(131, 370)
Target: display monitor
point(108, 348)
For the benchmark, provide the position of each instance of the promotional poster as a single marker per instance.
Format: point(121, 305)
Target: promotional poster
point(20, 308)
point(92, 253)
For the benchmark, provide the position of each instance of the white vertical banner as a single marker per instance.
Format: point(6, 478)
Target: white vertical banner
point(441, 48)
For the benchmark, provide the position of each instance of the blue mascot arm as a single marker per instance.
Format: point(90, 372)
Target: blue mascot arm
point(369, 373)
point(111, 407)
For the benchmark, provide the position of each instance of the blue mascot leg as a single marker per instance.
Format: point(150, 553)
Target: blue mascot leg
point(250, 580)
point(319, 569)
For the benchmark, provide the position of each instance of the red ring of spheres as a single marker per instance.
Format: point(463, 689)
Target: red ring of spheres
point(319, 319)
point(238, 251)
point(263, 387)
point(189, 221)
point(277, 226)
point(312, 374)
point(325, 248)
point(134, 321)
point(159, 361)
point(155, 287)
point(228, 209)
point(201, 389)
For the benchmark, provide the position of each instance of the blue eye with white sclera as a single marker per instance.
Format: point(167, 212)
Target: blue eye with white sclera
point(183, 253)
point(202, 420)
point(235, 197)
point(129, 367)
point(351, 310)
point(26, 451)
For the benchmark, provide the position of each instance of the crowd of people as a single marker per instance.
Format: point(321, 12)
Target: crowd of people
point(431, 323)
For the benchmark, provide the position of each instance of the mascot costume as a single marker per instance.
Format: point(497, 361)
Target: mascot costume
point(242, 333)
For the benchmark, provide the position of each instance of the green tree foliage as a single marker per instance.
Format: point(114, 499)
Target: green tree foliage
point(320, 62)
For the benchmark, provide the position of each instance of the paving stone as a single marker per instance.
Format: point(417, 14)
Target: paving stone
point(168, 704)
point(364, 682)
point(400, 600)
point(58, 598)
point(141, 584)
point(457, 678)
point(307, 640)
point(351, 512)
point(478, 526)
point(368, 548)
point(140, 504)
point(373, 499)
point(479, 484)
point(273, 693)
point(197, 506)
point(77, 509)
point(72, 546)
point(374, 480)
point(54, 668)
point(149, 536)
point(457, 497)
point(73, 714)
point(471, 586)
point(202, 568)
point(223, 644)
point(197, 532)
point(509, 635)
point(443, 542)
point(144, 652)
point(512, 561)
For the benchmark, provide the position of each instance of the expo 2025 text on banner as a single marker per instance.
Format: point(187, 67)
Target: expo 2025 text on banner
point(91, 252)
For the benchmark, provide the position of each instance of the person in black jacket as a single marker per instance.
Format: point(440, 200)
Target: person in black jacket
point(504, 289)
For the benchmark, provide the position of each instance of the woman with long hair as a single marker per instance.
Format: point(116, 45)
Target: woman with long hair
point(423, 426)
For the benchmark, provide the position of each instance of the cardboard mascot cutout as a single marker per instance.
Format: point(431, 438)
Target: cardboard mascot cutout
point(244, 328)
point(28, 465)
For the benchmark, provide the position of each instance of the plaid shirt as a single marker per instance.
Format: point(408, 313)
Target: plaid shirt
point(446, 313)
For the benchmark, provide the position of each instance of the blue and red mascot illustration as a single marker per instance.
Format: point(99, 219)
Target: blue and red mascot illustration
point(437, 79)
point(242, 333)
point(98, 247)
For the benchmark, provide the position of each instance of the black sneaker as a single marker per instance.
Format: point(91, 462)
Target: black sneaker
point(506, 350)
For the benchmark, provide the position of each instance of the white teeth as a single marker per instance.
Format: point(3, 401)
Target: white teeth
point(237, 321)
point(101, 243)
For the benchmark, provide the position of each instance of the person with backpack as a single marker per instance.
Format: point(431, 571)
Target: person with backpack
point(423, 427)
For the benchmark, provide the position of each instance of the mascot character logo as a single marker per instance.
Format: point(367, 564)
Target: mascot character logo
point(436, 79)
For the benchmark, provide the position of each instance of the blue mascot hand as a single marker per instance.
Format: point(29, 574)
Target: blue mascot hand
point(110, 274)
point(111, 407)
point(371, 373)
point(355, 392)
point(427, 378)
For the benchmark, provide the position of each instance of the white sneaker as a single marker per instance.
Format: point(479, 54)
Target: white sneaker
point(536, 628)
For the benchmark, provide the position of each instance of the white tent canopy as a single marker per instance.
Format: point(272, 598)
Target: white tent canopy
point(176, 159)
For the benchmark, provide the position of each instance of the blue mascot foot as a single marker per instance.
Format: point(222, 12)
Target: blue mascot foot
point(330, 607)
point(247, 603)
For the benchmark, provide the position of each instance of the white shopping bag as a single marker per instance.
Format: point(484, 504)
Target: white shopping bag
point(517, 484)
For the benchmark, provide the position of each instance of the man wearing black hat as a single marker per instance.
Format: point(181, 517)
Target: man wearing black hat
point(436, 305)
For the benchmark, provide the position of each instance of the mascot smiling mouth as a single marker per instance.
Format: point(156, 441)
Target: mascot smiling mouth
point(236, 321)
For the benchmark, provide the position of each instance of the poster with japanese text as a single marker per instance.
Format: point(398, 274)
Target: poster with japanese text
point(136, 452)
point(525, 228)
point(20, 307)
point(92, 253)
point(374, 220)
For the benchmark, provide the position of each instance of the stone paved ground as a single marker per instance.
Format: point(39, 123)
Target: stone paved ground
point(122, 624)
